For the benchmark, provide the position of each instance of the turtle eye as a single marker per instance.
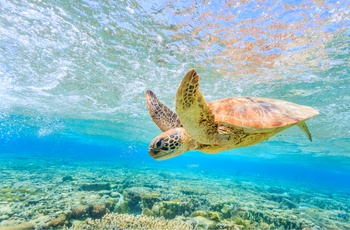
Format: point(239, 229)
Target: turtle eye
point(158, 144)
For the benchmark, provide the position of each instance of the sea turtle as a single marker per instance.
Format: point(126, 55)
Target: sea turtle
point(212, 127)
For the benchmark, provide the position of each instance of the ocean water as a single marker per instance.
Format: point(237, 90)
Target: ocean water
point(74, 126)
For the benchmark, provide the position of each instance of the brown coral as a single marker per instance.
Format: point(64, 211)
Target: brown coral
point(57, 221)
point(80, 211)
point(98, 210)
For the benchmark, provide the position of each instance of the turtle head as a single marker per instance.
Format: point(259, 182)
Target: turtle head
point(171, 144)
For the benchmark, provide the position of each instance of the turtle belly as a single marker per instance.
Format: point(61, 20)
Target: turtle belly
point(226, 142)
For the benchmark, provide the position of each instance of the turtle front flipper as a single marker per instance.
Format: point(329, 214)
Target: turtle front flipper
point(193, 111)
point(164, 117)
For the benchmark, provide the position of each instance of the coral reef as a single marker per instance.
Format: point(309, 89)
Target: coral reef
point(130, 222)
point(96, 198)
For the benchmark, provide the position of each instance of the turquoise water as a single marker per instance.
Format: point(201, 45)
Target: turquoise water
point(73, 77)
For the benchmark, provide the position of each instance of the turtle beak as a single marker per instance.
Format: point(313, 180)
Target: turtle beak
point(158, 154)
point(153, 152)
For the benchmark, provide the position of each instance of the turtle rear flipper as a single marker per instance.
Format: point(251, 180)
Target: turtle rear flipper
point(305, 129)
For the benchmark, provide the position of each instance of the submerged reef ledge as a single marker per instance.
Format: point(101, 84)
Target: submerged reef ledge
point(50, 193)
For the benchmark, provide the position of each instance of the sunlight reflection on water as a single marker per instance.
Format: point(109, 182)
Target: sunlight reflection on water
point(94, 60)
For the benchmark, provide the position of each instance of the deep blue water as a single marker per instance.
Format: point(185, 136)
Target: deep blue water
point(320, 173)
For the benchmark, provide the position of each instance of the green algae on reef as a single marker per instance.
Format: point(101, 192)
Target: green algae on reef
point(92, 196)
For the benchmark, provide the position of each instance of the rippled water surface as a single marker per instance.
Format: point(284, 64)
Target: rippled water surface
point(93, 60)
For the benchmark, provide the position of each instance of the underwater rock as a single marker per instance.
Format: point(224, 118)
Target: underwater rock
point(95, 186)
point(227, 209)
point(338, 215)
point(67, 178)
point(193, 191)
point(136, 192)
point(148, 200)
point(276, 190)
point(6, 190)
point(80, 211)
point(166, 175)
point(93, 206)
point(344, 216)
point(215, 216)
point(132, 200)
point(200, 203)
point(278, 220)
point(6, 210)
point(41, 221)
point(33, 200)
point(171, 209)
point(289, 204)
point(227, 224)
point(147, 212)
point(199, 213)
point(326, 203)
point(115, 194)
point(118, 200)
point(275, 197)
point(203, 223)
point(4, 217)
point(245, 224)
point(264, 226)
point(18, 226)
point(104, 192)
